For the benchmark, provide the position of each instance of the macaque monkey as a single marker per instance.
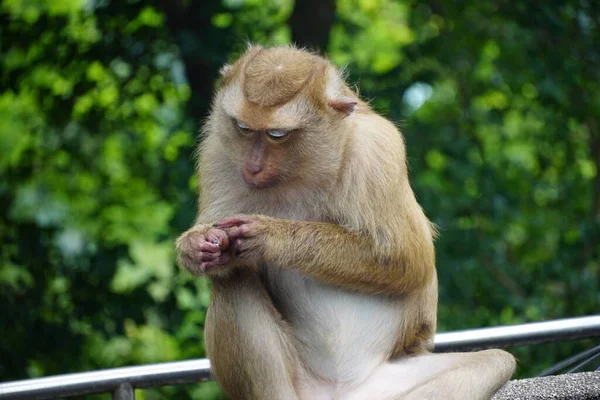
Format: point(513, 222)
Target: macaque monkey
point(321, 260)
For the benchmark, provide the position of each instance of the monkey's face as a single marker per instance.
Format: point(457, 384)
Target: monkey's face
point(275, 146)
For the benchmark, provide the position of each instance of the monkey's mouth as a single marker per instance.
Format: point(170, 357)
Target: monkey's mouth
point(262, 180)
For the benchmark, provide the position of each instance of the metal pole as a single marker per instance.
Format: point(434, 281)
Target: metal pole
point(124, 392)
point(517, 335)
point(108, 380)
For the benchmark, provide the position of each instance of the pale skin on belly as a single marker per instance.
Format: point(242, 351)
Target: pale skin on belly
point(298, 174)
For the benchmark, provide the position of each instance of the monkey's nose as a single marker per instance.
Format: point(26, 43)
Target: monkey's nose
point(253, 168)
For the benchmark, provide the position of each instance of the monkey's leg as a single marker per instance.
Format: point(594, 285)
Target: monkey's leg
point(446, 376)
point(249, 345)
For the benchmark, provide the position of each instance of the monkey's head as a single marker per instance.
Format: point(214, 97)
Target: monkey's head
point(281, 113)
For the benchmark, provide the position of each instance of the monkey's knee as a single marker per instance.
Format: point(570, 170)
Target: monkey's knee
point(502, 361)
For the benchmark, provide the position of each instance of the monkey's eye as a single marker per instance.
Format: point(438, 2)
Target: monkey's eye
point(242, 127)
point(277, 133)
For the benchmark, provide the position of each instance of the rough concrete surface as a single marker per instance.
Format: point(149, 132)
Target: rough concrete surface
point(581, 386)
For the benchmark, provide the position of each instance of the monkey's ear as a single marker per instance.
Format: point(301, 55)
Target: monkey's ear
point(344, 104)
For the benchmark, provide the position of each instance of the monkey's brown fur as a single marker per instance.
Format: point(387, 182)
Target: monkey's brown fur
point(315, 229)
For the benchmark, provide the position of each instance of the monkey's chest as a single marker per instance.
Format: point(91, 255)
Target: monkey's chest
point(341, 335)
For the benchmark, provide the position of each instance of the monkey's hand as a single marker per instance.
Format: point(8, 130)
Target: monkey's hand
point(203, 249)
point(247, 235)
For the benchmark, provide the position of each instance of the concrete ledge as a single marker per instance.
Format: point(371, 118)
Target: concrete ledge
point(581, 386)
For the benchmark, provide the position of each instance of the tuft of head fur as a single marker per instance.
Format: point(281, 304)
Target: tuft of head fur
point(264, 80)
point(273, 77)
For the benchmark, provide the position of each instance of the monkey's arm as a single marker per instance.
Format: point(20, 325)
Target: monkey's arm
point(334, 254)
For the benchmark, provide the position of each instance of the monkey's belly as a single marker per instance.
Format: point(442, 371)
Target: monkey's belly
point(341, 336)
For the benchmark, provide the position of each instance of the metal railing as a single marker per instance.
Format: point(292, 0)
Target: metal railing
point(121, 382)
point(517, 335)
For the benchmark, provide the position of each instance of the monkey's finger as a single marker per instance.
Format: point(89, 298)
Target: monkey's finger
point(218, 237)
point(208, 247)
point(208, 265)
point(233, 221)
point(234, 233)
point(244, 231)
point(204, 256)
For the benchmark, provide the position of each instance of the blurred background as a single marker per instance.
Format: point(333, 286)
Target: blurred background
point(101, 102)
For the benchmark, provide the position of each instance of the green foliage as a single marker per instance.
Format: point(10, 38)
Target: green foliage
point(90, 144)
point(99, 107)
